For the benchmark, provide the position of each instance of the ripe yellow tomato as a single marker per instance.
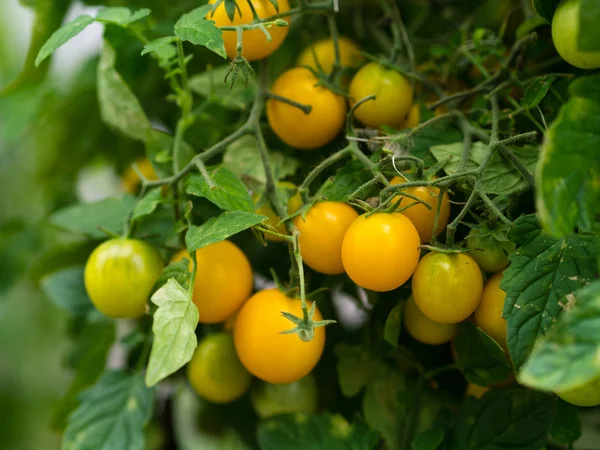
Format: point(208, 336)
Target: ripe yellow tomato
point(422, 218)
point(269, 355)
point(394, 96)
point(488, 315)
point(586, 395)
point(476, 391)
point(223, 280)
point(565, 32)
point(119, 276)
point(423, 329)
point(324, 52)
point(380, 252)
point(131, 180)
point(301, 396)
point(321, 236)
point(255, 45)
point(294, 204)
point(215, 371)
point(447, 287)
point(299, 130)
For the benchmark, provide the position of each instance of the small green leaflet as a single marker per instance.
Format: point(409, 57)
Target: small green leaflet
point(211, 85)
point(148, 204)
point(220, 228)
point(545, 8)
point(346, 181)
point(194, 28)
point(354, 367)
point(541, 281)
point(161, 48)
point(393, 325)
point(112, 415)
point(229, 194)
point(536, 90)
point(174, 331)
point(65, 288)
point(179, 271)
point(121, 16)
point(567, 357)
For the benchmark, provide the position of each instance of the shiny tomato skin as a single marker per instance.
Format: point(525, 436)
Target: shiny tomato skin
point(323, 52)
point(423, 329)
point(488, 315)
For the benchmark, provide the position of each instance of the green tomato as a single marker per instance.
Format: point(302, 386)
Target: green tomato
point(565, 31)
point(491, 254)
point(298, 397)
point(586, 395)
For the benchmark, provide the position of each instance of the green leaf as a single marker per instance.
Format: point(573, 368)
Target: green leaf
point(566, 427)
point(62, 36)
point(544, 274)
point(148, 204)
point(347, 180)
point(229, 194)
point(119, 107)
point(65, 288)
point(481, 358)
point(121, 16)
point(112, 414)
point(429, 439)
point(161, 47)
point(193, 27)
point(89, 219)
point(545, 8)
point(314, 432)
point(588, 38)
point(174, 330)
point(354, 368)
point(393, 325)
point(567, 357)
point(219, 228)
point(517, 419)
point(243, 159)
point(179, 271)
point(536, 90)
point(500, 177)
point(437, 134)
point(568, 194)
point(211, 85)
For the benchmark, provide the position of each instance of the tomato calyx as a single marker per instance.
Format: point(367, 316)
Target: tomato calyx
point(305, 327)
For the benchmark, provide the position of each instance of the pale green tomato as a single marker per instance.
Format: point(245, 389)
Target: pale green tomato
point(565, 32)
point(298, 397)
point(491, 254)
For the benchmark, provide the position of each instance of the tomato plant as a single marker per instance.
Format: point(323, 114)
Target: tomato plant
point(425, 277)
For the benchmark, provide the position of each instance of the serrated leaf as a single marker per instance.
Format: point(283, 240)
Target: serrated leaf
point(66, 289)
point(112, 414)
point(174, 329)
point(393, 325)
point(569, 171)
point(588, 37)
point(119, 107)
point(354, 367)
point(481, 358)
point(517, 419)
point(429, 439)
point(219, 228)
point(566, 427)
point(148, 204)
point(545, 8)
point(567, 357)
point(194, 28)
point(62, 36)
point(211, 84)
point(229, 194)
point(161, 47)
point(312, 432)
point(89, 219)
point(536, 90)
point(121, 16)
point(544, 274)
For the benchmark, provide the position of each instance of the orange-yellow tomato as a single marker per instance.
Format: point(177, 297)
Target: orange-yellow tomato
point(423, 329)
point(447, 287)
point(131, 180)
point(321, 236)
point(394, 96)
point(422, 218)
point(322, 53)
point(488, 315)
point(255, 45)
point(294, 127)
point(223, 280)
point(294, 204)
point(119, 276)
point(269, 355)
point(380, 252)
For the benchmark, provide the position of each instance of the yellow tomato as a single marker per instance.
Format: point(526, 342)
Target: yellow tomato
point(131, 180)
point(294, 204)
point(269, 355)
point(447, 287)
point(324, 52)
point(119, 276)
point(488, 315)
point(255, 45)
point(394, 96)
point(414, 117)
point(291, 124)
point(586, 395)
point(422, 218)
point(215, 371)
point(380, 252)
point(423, 329)
point(475, 390)
point(321, 236)
point(223, 280)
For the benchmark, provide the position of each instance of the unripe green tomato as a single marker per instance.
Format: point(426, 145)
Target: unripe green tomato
point(301, 396)
point(586, 395)
point(119, 276)
point(491, 254)
point(565, 32)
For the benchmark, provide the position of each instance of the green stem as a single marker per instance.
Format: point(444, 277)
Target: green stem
point(306, 109)
point(451, 228)
point(303, 189)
